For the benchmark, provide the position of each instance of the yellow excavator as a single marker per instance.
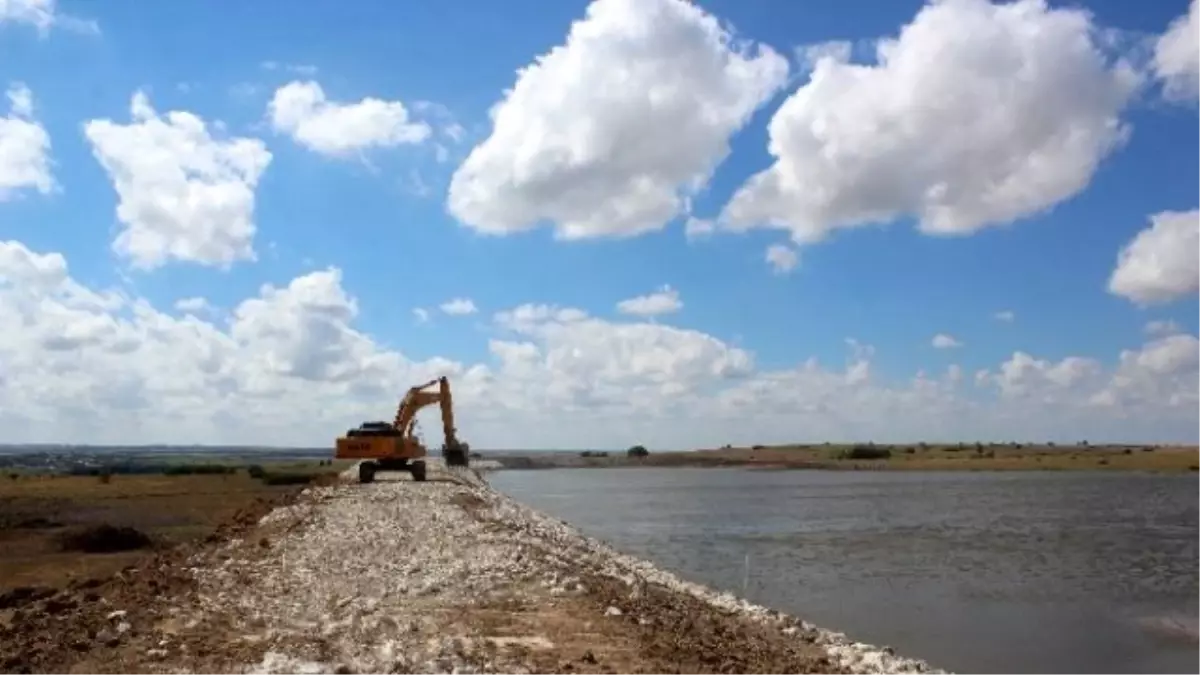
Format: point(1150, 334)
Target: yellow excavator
point(394, 447)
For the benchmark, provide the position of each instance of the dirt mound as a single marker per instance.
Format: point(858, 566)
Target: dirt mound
point(104, 539)
point(109, 625)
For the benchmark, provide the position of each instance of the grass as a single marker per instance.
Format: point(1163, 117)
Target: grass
point(946, 457)
point(38, 511)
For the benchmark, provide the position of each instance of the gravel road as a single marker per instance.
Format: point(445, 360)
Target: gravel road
point(450, 575)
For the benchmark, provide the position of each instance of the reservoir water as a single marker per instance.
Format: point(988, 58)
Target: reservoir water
point(971, 571)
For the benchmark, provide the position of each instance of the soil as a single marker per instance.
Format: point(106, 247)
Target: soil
point(83, 625)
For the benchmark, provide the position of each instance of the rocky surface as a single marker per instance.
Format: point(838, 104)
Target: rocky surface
point(447, 576)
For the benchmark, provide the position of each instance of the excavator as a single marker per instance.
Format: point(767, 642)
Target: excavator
point(394, 447)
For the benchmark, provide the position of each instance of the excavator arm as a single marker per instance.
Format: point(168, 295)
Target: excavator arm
point(418, 397)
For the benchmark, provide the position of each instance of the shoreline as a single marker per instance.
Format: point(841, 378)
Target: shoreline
point(450, 575)
point(884, 457)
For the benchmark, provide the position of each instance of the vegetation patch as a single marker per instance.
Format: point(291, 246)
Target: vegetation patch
point(104, 538)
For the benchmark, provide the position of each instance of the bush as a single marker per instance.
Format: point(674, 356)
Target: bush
point(203, 469)
point(104, 539)
point(638, 451)
point(866, 452)
point(909, 451)
point(758, 447)
point(255, 471)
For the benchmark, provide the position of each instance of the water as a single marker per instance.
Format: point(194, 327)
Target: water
point(974, 572)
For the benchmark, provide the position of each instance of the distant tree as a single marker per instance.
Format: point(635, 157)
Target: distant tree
point(1050, 444)
point(256, 471)
point(866, 452)
point(1084, 443)
point(638, 451)
point(923, 445)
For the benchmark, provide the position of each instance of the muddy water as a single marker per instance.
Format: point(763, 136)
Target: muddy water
point(974, 572)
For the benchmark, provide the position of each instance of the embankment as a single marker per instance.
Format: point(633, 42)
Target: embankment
point(446, 575)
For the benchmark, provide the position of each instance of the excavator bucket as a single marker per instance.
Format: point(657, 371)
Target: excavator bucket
point(457, 455)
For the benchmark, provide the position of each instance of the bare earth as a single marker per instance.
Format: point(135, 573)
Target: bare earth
point(396, 576)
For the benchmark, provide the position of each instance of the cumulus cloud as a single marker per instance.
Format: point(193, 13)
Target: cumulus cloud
point(698, 228)
point(43, 15)
point(183, 194)
point(1162, 375)
point(1026, 376)
point(663, 301)
point(1177, 56)
point(193, 305)
point(1161, 263)
point(459, 307)
point(610, 132)
point(24, 147)
point(101, 366)
point(301, 110)
point(943, 341)
point(1160, 328)
point(291, 367)
point(781, 258)
point(975, 115)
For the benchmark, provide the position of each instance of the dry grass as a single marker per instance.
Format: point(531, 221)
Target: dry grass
point(36, 511)
point(996, 457)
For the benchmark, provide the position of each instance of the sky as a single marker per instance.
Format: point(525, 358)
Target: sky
point(659, 222)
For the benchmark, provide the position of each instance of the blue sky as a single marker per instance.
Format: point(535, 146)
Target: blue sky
point(381, 215)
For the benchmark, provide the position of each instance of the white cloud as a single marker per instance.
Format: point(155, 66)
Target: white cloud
point(43, 15)
point(943, 341)
point(1162, 375)
point(459, 307)
point(976, 115)
point(421, 314)
point(609, 133)
point(301, 110)
point(1005, 315)
point(184, 194)
point(783, 259)
point(698, 228)
point(24, 147)
point(290, 367)
point(1026, 376)
point(568, 360)
point(1177, 56)
point(1162, 263)
point(810, 55)
point(193, 305)
point(1161, 328)
point(663, 301)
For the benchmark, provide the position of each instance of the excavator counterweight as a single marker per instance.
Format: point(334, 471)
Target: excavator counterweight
point(394, 447)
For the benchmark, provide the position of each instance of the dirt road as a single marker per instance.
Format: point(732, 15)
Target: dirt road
point(442, 576)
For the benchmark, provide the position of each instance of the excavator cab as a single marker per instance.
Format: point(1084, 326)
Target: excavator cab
point(394, 447)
